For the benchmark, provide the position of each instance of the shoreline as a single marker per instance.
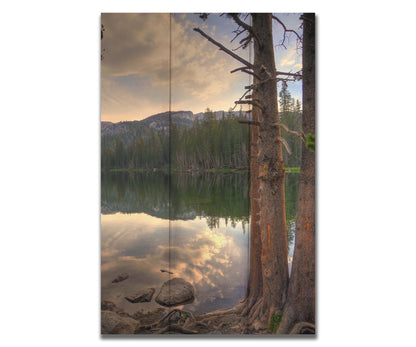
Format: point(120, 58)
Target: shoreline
point(234, 170)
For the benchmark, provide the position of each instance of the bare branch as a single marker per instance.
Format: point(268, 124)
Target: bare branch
point(239, 99)
point(244, 42)
point(250, 102)
point(284, 143)
point(277, 79)
point(226, 50)
point(286, 80)
point(237, 33)
point(247, 27)
point(240, 22)
point(251, 73)
point(286, 31)
point(301, 136)
point(238, 69)
point(297, 75)
point(244, 69)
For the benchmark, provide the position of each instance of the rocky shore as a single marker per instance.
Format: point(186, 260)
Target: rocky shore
point(170, 320)
point(166, 319)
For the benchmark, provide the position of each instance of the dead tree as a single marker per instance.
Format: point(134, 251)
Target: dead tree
point(300, 304)
point(255, 281)
point(268, 278)
point(272, 178)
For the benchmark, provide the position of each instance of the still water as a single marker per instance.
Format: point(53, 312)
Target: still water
point(194, 225)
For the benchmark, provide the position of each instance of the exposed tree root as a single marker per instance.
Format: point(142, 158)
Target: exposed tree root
point(234, 310)
point(259, 319)
point(248, 304)
point(290, 325)
point(173, 317)
point(175, 329)
point(303, 328)
point(255, 319)
point(256, 311)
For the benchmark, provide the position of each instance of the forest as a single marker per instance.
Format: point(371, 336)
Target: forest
point(212, 143)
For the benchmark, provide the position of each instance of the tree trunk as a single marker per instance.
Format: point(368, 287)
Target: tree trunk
point(268, 278)
point(255, 280)
point(300, 305)
point(271, 175)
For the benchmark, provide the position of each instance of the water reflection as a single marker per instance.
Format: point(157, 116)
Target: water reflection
point(208, 195)
point(206, 239)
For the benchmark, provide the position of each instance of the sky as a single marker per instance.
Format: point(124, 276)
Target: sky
point(135, 76)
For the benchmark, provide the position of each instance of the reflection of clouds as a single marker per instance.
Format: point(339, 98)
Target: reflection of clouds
point(131, 234)
point(214, 261)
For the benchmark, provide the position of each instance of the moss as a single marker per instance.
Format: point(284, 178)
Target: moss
point(310, 142)
point(292, 169)
point(274, 322)
point(149, 314)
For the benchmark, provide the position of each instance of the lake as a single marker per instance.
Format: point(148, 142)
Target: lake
point(195, 225)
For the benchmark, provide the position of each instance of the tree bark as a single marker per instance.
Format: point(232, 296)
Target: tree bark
point(300, 305)
point(271, 177)
point(255, 280)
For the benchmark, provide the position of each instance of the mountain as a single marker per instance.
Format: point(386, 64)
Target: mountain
point(132, 130)
point(157, 122)
point(160, 121)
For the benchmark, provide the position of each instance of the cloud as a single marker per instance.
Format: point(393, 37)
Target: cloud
point(135, 43)
point(135, 69)
point(286, 62)
point(290, 59)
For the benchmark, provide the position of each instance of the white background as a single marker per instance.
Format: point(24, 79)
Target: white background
point(49, 186)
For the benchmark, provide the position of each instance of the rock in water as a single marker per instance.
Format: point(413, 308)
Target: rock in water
point(141, 297)
point(112, 323)
point(120, 278)
point(175, 292)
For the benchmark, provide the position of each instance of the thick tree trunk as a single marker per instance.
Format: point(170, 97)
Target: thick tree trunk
point(268, 278)
point(300, 305)
point(271, 176)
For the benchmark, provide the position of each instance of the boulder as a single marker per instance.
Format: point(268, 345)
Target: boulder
point(111, 306)
point(175, 292)
point(120, 278)
point(108, 306)
point(112, 323)
point(141, 297)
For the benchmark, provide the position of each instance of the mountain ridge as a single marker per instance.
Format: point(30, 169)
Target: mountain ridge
point(158, 122)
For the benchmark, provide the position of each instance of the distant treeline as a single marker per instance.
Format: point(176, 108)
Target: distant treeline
point(210, 143)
